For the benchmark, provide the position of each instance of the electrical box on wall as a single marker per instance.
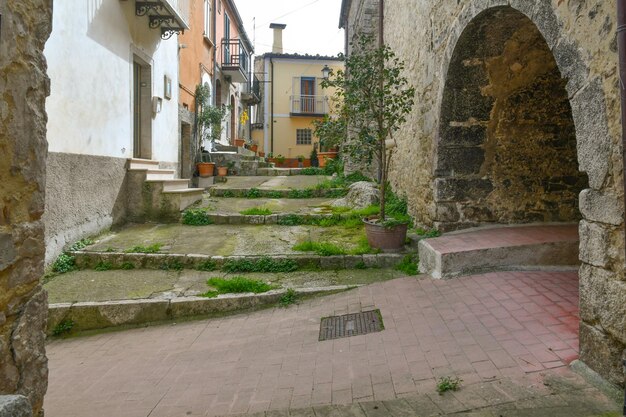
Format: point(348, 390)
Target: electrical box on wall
point(157, 104)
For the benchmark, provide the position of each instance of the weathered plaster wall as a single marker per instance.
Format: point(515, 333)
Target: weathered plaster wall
point(86, 194)
point(90, 129)
point(581, 36)
point(23, 304)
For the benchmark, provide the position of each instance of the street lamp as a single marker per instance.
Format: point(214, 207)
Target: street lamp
point(325, 72)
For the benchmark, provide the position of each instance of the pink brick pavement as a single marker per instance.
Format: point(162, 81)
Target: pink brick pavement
point(498, 237)
point(484, 327)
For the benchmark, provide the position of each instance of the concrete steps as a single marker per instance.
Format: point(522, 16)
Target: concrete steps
point(275, 172)
point(500, 248)
point(156, 194)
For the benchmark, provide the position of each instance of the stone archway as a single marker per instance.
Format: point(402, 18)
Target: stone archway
point(507, 147)
point(602, 338)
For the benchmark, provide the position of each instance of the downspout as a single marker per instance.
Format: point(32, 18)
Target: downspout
point(621, 46)
point(272, 107)
point(214, 30)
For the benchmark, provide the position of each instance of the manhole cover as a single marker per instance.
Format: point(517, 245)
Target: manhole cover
point(334, 327)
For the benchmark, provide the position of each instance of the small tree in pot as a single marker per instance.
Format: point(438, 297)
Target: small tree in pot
point(376, 99)
point(208, 123)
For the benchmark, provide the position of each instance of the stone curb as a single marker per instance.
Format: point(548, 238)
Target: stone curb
point(236, 218)
point(108, 314)
point(88, 260)
point(278, 172)
point(241, 192)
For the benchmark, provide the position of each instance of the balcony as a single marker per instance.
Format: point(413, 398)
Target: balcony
point(235, 60)
point(171, 16)
point(305, 105)
point(251, 94)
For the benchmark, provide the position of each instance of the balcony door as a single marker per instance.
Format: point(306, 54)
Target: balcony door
point(227, 39)
point(307, 94)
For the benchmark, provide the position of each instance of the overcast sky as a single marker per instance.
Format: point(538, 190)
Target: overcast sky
point(312, 25)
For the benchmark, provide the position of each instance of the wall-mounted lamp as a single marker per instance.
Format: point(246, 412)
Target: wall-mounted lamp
point(325, 72)
point(157, 104)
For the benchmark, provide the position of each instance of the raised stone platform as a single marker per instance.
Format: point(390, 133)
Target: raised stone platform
point(500, 248)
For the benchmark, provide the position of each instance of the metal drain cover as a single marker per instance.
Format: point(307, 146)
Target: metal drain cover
point(335, 327)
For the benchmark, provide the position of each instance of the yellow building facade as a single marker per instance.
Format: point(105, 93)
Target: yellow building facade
point(291, 99)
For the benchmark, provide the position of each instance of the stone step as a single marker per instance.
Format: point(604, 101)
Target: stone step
point(278, 218)
point(160, 174)
point(217, 191)
point(138, 163)
point(171, 185)
point(187, 197)
point(274, 172)
point(144, 311)
point(500, 248)
point(88, 260)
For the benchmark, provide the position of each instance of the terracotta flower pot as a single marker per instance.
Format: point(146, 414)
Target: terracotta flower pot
point(262, 154)
point(254, 148)
point(239, 142)
point(388, 239)
point(222, 171)
point(205, 169)
point(324, 156)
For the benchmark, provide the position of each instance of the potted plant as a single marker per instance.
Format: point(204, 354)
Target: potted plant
point(313, 157)
point(222, 171)
point(208, 128)
point(280, 160)
point(240, 142)
point(375, 100)
point(231, 168)
point(300, 161)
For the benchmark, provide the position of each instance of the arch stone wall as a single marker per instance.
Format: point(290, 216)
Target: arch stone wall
point(24, 86)
point(581, 37)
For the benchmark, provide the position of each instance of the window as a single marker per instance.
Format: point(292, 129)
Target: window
point(207, 19)
point(303, 136)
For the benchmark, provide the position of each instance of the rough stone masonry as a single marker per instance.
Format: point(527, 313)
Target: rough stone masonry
point(517, 121)
point(26, 25)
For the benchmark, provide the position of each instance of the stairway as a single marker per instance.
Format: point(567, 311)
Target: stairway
point(155, 194)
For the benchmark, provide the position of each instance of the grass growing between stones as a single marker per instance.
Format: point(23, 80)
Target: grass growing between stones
point(81, 244)
point(65, 326)
point(289, 298)
point(196, 217)
point(447, 383)
point(256, 211)
point(427, 233)
point(408, 265)
point(154, 248)
point(265, 264)
point(64, 263)
point(236, 285)
point(362, 247)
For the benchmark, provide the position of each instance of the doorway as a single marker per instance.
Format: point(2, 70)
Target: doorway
point(142, 109)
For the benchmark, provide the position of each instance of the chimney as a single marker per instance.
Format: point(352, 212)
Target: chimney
point(277, 47)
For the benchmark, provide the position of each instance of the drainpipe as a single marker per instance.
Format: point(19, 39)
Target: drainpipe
point(272, 107)
point(621, 46)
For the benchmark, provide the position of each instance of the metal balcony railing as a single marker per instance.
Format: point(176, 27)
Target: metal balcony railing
point(309, 105)
point(234, 56)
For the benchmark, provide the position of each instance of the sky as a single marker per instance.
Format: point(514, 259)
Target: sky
point(312, 25)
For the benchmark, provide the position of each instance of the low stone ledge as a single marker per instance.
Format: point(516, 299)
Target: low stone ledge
point(15, 406)
point(110, 314)
point(263, 193)
point(88, 260)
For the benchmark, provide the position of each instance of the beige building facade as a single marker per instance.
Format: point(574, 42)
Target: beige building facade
point(516, 121)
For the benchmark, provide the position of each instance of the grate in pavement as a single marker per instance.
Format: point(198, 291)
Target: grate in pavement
point(335, 327)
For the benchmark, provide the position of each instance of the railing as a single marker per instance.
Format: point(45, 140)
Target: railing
point(234, 55)
point(305, 104)
point(180, 7)
point(253, 88)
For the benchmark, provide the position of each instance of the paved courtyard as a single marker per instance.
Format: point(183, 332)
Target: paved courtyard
point(492, 327)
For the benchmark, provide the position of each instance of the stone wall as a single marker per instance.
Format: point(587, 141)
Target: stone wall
point(23, 304)
point(580, 37)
